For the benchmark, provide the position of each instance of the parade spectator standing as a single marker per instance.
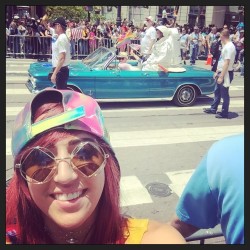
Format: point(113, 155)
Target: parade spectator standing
point(21, 29)
point(184, 44)
point(194, 39)
point(66, 183)
point(164, 16)
point(45, 39)
point(60, 55)
point(7, 38)
point(215, 50)
point(122, 35)
point(148, 39)
point(107, 38)
point(215, 192)
point(28, 44)
point(239, 45)
point(211, 37)
point(53, 35)
point(37, 38)
point(92, 40)
point(68, 34)
point(83, 43)
point(101, 27)
point(242, 63)
point(76, 34)
point(224, 76)
point(14, 36)
point(99, 38)
point(204, 34)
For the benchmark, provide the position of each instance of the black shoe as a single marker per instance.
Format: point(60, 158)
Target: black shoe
point(221, 116)
point(184, 62)
point(209, 111)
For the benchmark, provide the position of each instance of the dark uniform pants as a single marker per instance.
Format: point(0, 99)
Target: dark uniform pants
point(62, 77)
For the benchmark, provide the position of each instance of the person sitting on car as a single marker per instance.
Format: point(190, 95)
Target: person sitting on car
point(164, 52)
point(123, 65)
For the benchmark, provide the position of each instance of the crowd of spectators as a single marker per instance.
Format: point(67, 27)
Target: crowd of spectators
point(34, 38)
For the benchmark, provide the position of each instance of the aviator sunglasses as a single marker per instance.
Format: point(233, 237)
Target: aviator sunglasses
point(38, 164)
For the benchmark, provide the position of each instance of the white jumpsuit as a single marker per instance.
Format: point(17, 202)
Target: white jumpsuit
point(165, 52)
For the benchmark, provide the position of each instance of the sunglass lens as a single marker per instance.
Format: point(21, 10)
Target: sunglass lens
point(37, 165)
point(88, 159)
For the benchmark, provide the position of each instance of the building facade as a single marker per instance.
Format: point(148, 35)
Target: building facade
point(205, 15)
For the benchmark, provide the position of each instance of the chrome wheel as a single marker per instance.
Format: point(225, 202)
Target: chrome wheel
point(185, 96)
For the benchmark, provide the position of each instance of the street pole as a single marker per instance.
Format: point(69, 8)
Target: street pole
point(118, 19)
point(88, 16)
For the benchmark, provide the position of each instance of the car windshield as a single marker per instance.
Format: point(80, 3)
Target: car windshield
point(99, 58)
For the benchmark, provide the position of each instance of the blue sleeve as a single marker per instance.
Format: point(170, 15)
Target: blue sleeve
point(197, 205)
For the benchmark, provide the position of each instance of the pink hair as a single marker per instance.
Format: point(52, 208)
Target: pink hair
point(28, 220)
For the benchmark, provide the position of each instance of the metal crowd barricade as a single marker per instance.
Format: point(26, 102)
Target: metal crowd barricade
point(204, 234)
point(25, 46)
point(38, 47)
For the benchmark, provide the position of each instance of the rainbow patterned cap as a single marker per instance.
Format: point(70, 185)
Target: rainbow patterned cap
point(81, 112)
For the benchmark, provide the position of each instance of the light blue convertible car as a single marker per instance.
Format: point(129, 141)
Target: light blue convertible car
point(98, 76)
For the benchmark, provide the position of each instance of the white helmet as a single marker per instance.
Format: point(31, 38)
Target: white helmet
point(165, 31)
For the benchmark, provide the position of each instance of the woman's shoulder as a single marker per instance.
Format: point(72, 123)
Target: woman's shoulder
point(162, 233)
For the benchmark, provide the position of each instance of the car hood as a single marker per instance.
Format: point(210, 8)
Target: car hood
point(42, 69)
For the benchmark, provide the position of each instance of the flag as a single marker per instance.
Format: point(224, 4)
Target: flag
point(127, 39)
point(162, 68)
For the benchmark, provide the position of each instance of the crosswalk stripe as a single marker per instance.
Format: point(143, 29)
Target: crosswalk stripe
point(24, 91)
point(179, 180)
point(17, 91)
point(171, 136)
point(18, 79)
point(12, 111)
point(165, 136)
point(133, 192)
point(16, 72)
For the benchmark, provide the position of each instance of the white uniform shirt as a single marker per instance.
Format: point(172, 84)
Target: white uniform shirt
point(150, 35)
point(228, 52)
point(62, 44)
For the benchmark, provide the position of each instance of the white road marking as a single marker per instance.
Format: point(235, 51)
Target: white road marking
point(12, 111)
point(16, 72)
point(133, 192)
point(17, 91)
point(172, 136)
point(20, 91)
point(164, 136)
point(179, 180)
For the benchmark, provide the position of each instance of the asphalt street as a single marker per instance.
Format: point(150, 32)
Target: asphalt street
point(157, 144)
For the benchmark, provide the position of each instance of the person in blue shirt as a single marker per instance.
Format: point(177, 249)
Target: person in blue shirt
point(215, 192)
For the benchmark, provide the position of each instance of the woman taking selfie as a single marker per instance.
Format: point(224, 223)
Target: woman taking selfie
point(66, 183)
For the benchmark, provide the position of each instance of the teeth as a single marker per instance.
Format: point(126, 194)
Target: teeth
point(67, 197)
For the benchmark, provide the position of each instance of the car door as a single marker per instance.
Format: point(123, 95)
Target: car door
point(117, 84)
point(83, 78)
point(163, 85)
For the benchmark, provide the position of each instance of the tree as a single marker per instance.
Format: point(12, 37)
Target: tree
point(75, 13)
